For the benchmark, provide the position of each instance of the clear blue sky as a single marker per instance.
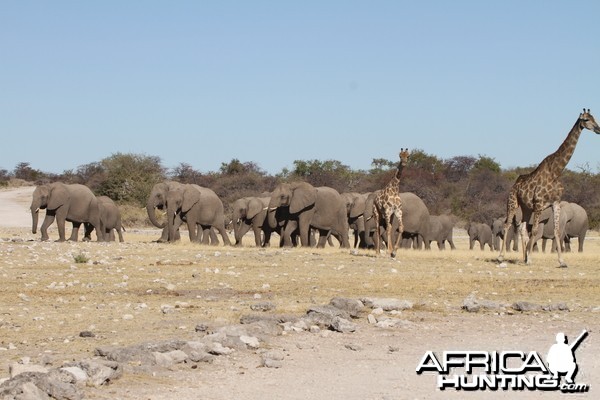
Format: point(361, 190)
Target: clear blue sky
point(203, 82)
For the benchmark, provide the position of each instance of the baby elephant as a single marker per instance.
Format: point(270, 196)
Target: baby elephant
point(110, 220)
point(481, 233)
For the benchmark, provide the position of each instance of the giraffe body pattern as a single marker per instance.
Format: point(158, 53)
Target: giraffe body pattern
point(541, 188)
point(387, 203)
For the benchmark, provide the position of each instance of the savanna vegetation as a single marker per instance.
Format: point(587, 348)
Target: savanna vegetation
point(472, 188)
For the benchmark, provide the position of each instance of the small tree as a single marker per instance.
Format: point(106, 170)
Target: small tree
point(130, 177)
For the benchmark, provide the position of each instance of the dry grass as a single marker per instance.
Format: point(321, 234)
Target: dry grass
point(121, 292)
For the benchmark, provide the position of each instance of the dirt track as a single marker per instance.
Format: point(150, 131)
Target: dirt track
point(63, 298)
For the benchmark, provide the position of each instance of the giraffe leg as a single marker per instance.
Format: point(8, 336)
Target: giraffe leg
point(556, 214)
point(511, 209)
point(377, 231)
point(524, 236)
point(534, 233)
point(398, 214)
point(388, 231)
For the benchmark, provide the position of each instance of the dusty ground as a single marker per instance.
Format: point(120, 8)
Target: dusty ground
point(48, 298)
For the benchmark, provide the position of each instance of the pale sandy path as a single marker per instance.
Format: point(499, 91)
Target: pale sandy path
point(14, 207)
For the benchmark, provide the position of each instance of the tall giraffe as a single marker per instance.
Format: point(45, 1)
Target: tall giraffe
point(542, 188)
point(387, 203)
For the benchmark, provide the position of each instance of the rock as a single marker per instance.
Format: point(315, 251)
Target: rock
point(87, 334)
point(217, 349)
point(250, 341)
point(17, 369)
point(273, 359)
point(351, 306)
point(342, 325)
point(371, 318)
point(100, 372)
point(201, 356)
point(314, 329)
point(472, 304)
point(169, 358)
point(526, 306)
point(262, 306)
point(78, 374)
point(387, 304)
point(556, 307)
point(353, 347)
point(324, 315)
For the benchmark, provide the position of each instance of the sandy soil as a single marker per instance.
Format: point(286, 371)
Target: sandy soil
point(47, 300)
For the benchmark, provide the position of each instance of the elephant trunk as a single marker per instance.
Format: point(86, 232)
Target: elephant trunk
point(171, 216)
point(152, 215)
point(35, 212)
point(272, 217)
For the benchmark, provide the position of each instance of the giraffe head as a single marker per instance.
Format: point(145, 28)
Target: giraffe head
point(404, 157)
point(587, 121)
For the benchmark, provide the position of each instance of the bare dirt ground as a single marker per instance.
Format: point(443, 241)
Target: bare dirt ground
point(121, 292)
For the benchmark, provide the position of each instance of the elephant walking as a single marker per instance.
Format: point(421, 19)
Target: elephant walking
point(356, 204)
point(157, 199)
point(321, 208)
point(65, 202)
point(110, 220)
point(511, 236)
point(200, 208)
point(481, 233)
point(251, 213)
point(573, 223)
point(440, 230)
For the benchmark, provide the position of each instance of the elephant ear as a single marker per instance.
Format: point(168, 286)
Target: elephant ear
point(57, 196)
point(255, 206)
point(304, 196)
point(191, 196)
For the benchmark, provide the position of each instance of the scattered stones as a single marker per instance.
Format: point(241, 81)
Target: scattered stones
point(472, 304)
point(342, 325)
point(351, 306)
point(262, 306)
point(387, 304)
point(273, 359)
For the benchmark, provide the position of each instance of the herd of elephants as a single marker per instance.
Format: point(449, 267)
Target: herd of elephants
point(298, 211)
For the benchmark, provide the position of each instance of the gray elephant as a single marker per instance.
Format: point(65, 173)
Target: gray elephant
point(157, 199)
point(573, 223)
point(110, 220)
point(546, 227)
point(355, 209)
point(577, 225)
point(511, 236)
point(251, 213)
point(200, 208)
point(440, 230)
point(321, 208)
point(415, 218)
point(481, 233)
point(74, 203)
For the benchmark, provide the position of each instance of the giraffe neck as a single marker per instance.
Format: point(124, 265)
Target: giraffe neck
point(394, 183)
point(557, 161)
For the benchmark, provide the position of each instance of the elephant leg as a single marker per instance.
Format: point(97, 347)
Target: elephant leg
point(120, 234)
point(257, 235)
point(534, 235)
point(48, 220)
point(75, 232)
point(223, 233)
point(323, 238)
point(60, 224)
point(214, 240)
point(88, 228)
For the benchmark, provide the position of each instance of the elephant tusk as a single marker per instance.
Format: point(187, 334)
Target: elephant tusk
point(272, 208)
point(37, 210)
point(266, 208)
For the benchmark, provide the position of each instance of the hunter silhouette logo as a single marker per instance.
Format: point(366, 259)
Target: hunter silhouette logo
point(508, 370)
point(561, 356)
